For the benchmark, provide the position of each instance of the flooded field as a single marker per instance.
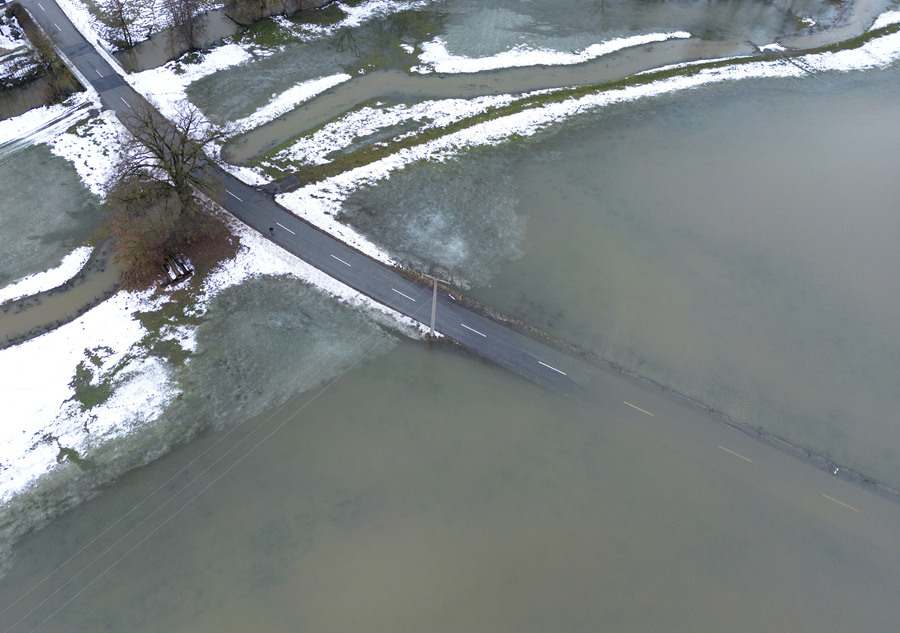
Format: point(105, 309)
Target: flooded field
point(427, 490)
point(318, 471)
point(45, 212)
point(731, 242)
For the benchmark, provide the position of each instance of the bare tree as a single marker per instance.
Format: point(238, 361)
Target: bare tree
point(187, 24)
point(120, 16)
point(60, 82)
point(245, 11)
point(161, 196)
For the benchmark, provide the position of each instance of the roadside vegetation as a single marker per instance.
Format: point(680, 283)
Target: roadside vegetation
point(162, 202)
point(41, 63)
point(129, 22)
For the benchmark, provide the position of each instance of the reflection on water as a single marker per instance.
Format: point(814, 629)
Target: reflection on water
point(432, 491)
point(45, 212)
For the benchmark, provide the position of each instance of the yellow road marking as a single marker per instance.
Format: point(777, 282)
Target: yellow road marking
point(638, 408)
point(846, 505)
point(728, 450)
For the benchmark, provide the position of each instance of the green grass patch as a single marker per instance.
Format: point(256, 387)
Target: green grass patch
point(377, 46)
point(172, 314)
point(326, 16)
point(853, 42)
point(266, 33)
point(71, 455)
point(87, 394)
point(82, 128)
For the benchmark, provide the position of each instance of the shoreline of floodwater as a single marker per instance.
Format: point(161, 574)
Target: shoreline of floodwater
point(26, 317)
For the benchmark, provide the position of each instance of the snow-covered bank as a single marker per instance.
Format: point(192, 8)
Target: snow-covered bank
point(368, 120)
point(78, 134)
point(39, 282)
point(93, 148)
point(107, 341)
point(166, 86)
point(41, 124)
point(436, 58)
point(320, 203)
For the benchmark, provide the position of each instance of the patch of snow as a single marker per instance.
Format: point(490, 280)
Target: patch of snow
point(11, 36)
point(409, 49)
point(288, 100)
point(772, 47)
point(436, 58)
point(165, 86)
point(39, 372)
point(358, 15)
point(338, 134)
point(95, 151)
point(886, 19)
point(249, 175)
point(39, 282)
point(39, 124)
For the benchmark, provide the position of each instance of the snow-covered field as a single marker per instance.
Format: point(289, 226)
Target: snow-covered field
point(39, 372)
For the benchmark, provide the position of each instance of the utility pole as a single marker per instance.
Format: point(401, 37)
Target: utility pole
point(433, 307)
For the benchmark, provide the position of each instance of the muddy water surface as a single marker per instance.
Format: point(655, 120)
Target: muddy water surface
point(735, 243)
point(427, 490)
point(45, 212)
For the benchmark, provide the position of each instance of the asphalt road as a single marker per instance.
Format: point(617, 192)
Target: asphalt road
point(486, 337)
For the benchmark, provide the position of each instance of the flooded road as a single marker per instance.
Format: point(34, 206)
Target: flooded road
point(732, 242)
point(427, 490)
point(318, 472)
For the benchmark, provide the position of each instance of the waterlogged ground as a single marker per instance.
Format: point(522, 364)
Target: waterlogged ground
point(45, 212)
point(732, 242)
point(458, 222)
point(426, 490)
point(288, 55)
point(258, 344)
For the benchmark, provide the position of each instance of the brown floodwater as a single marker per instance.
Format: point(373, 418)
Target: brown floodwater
point(428, 490)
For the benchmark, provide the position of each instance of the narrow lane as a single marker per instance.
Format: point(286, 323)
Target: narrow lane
point(504, 346)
